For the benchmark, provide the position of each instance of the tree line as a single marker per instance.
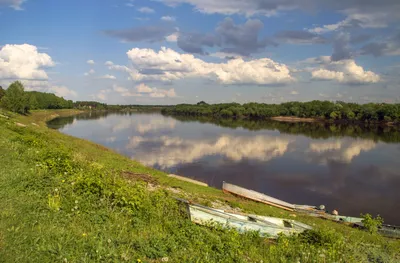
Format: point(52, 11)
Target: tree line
point(314, 130)
point(16, 99)
point(371, 112)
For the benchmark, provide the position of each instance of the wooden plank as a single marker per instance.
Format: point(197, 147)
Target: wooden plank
point(182, 178)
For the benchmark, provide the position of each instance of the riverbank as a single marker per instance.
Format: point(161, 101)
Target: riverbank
point(293, 119)
point(67, 199)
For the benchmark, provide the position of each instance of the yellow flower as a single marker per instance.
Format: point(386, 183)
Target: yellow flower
point(63, 181)
point(138, 260)
point(84, 234)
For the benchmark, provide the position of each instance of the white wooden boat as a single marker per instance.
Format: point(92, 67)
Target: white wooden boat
point(269, 227)
point(263, 198)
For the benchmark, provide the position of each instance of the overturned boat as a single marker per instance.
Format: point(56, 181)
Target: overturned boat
point(263, 198)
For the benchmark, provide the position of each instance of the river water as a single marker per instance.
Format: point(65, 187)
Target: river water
point(353, 169)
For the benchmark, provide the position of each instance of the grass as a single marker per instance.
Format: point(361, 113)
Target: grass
point(64, 199)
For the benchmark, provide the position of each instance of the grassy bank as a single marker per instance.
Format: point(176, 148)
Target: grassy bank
point(64, 199)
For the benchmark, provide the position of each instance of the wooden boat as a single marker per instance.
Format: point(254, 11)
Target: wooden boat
point(263, 198)
point(385, 230)
point(269, 227)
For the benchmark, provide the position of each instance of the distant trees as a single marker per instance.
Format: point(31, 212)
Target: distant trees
point(16, 99)
point(371, 112)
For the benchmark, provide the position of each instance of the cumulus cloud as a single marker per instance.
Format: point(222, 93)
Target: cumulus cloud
point(173, 37)
point(168, 18)
point(173, 150)
point(169, 65)
point(344, 71)
point(90, 62)
point(151, 33)
point(16, 4)
point(23, 62)
point(146, 10)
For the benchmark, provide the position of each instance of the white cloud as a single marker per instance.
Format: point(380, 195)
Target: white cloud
point(90, 62)
point(293, 92)
point(143, 88)
point(344, 71)
point(168, 18)
point(173, 37)
point(109, 63)
point(169, 65)
point(146, 10)
point(90, 72)
point(174, 150)
point(107, 76)
point(62, 91)
point(23, 62)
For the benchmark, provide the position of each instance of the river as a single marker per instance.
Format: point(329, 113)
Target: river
point(353, 169)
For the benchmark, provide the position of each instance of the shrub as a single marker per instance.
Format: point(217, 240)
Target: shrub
point(372, 224)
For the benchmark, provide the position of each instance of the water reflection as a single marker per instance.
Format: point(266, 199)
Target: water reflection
point(339, 150)
point(174, 150)
point(350, 168)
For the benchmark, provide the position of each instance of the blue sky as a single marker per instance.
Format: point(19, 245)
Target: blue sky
point(174, 51)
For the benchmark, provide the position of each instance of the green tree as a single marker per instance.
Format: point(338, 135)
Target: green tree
point(2, 92)
point(33, 103)
point(15, 98)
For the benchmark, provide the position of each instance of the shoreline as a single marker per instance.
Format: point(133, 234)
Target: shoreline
point(119, 176)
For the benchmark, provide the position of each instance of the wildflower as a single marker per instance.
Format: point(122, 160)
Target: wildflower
point(109, 240)
point(138, 260)
point(84, 234)
point(56, 189)
point(76, 201)
point(63, 181)
point(76, 207)
point(164, 259)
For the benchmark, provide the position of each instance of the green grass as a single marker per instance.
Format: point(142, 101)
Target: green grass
point(64, 199)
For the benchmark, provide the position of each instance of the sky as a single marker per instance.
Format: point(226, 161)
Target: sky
point(185, 51)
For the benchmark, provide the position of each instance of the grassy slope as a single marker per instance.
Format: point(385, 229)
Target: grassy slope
point(65, 199)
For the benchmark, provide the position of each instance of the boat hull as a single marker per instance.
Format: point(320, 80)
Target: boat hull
point(266, 226)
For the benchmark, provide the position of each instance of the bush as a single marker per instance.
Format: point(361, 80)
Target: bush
point(372, 224)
